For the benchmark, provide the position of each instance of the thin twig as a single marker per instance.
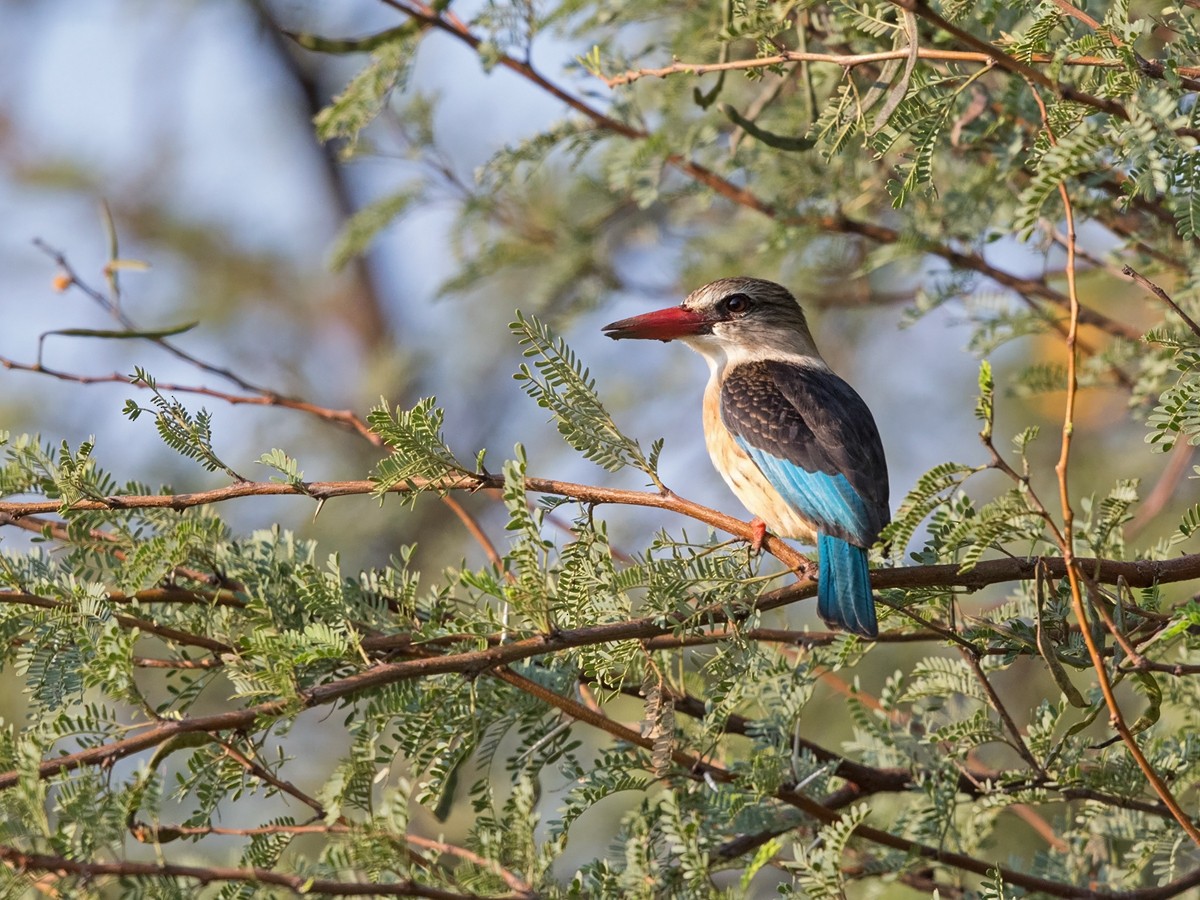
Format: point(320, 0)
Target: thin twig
point(73, 280)
point(845, 60)
point(300, 884)
point(1163, 296)
point(151, 833)
point(342, 417)
point(1018, 740)
point(150, 662)
point(265, 775)
point(1025, 70)
point(474, 529)
point(1067, 540)
point(515, 882)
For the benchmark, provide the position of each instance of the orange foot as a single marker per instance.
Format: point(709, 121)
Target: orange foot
point(759, 534)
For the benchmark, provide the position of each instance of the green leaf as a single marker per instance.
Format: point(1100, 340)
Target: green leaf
point(363, 227)
point(929, 493)
point(985, 406)
point(284, 465)
point(1074, 153)
point(419, 455)
point(320, 44)
point(363, 98)
point(124, 334)
point(818, 867)
point(187, 433)
point(559, 382)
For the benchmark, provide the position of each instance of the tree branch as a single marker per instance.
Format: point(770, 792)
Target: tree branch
point(343, 418)
point(1066, 538)
point(300, 884)
point(1017, 67)
point(165, 632)
point(1137, 573)
point(699, 768)
point(836, 223)
point(845, 60)
point(1163, 296)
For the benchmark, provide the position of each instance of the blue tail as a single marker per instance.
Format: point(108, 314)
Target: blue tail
point(844, 594)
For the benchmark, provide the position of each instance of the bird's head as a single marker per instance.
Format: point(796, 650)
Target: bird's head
point(734, 318)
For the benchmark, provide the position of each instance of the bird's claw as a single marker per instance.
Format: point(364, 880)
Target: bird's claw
point(758, 534)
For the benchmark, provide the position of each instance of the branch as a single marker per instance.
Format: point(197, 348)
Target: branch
point(1017, 67)
point(300, 884)
point(864, 780)
point(163, 631)
point(1018, 740)
point(147, 833)
point(475, 662)
point(494, 659)
point(1163, 296)
point(1137, 573)
point(517, 884)
point(343, 417)
point(1066, 538)
point(326, 490)
point(700, 768)
point(263, 774)
point(837, 223)
point(845, 60)
point(1148, 67)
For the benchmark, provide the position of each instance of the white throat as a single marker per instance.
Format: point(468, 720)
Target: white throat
point(722, 355)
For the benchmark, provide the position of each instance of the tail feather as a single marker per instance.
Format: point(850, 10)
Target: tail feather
point(844, 595)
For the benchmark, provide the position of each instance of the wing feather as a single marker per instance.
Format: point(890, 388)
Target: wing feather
point(815, 441)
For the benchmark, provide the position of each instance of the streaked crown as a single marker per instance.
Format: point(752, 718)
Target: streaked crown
point(753, 315)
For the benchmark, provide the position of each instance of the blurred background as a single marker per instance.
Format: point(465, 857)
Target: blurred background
point(193, 122)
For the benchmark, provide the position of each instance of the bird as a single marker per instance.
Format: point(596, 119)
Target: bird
point(795, 443)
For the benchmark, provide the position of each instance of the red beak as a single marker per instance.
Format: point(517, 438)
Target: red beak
point(661, 325)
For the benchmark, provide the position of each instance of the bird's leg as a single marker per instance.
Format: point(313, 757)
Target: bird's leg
point(758, 529)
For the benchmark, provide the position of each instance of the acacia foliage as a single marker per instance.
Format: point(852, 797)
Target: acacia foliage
point(175, 671)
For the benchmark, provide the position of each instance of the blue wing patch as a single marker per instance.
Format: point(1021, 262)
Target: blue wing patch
point(814, 440)
point(828, 500)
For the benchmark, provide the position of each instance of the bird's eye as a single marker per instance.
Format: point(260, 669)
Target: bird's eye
point(736, 304)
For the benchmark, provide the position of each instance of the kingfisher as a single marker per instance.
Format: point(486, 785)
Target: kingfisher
point(794, 442)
